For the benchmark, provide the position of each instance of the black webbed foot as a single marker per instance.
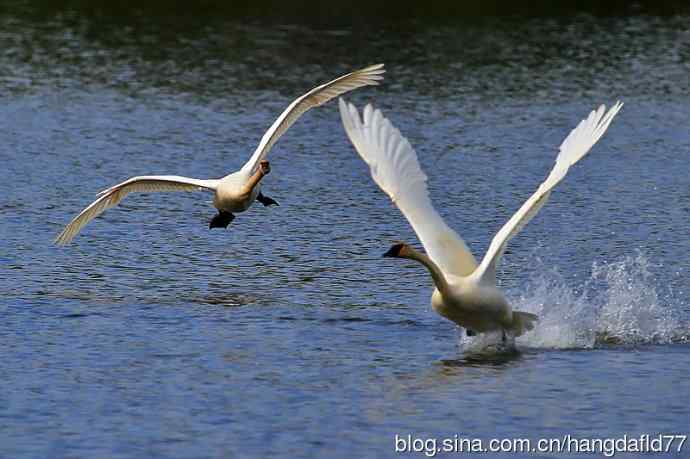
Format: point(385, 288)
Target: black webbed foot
point(470, 332)
point(265, 200)
point(222, 220)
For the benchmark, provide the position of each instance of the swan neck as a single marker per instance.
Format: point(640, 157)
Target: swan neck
point(254, 179)
point(436, 273)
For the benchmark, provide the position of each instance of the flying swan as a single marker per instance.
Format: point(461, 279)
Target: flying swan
point(465, 293)
point(237, 191)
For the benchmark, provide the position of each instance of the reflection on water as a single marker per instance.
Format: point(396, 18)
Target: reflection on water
point(288, 335)
point(496, 357)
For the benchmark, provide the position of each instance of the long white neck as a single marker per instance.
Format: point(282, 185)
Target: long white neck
point(436, 273)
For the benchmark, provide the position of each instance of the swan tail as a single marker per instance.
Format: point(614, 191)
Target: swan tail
point(523, 322)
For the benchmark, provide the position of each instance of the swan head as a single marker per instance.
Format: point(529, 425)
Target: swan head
point(399, 250)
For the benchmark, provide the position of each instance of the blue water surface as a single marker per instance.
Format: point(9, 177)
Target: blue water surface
point(287, 335)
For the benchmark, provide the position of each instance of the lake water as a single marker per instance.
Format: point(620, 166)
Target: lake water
point(288, 335)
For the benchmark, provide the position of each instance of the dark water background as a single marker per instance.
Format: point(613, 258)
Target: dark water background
point(288, 335)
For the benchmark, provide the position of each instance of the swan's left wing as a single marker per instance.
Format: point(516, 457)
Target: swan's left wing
point(574, 147)
point(317, 96)
point(396, 170)
point(113, 195)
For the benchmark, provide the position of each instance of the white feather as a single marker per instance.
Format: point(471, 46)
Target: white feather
point(396, 170)
point(317, 96)
point(575, 146)
point(113, 195)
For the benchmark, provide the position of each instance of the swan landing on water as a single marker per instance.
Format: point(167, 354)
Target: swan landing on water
point(237, 191)
point(466, 292)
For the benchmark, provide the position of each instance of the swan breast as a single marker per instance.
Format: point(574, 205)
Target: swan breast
point(479, 308)
point(233, 195)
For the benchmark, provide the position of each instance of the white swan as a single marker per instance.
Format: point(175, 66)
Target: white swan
point(237, 191)
point(465, 293)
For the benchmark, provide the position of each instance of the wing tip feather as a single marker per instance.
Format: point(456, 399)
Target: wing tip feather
point(375, 67)
point(63, 238)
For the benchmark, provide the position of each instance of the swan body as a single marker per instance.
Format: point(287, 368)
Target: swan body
point(237, 191)
point(478, 307)
point(465, 291)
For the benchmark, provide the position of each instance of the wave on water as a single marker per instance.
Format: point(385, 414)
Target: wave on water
point(618, 304)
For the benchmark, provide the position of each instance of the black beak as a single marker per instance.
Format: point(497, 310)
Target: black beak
point(392, 252)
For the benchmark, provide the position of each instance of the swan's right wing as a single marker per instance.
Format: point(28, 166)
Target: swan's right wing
point(574, 148)
point(113, 195)
point(318, 96)
point(396, 170)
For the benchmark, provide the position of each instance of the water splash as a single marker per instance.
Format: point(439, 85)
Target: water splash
point(618, 304)
point(633, 311)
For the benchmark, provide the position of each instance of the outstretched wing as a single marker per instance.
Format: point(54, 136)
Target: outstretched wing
point(317, 96)
point(395, 169)
point(574, 148)
point(113, 195)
